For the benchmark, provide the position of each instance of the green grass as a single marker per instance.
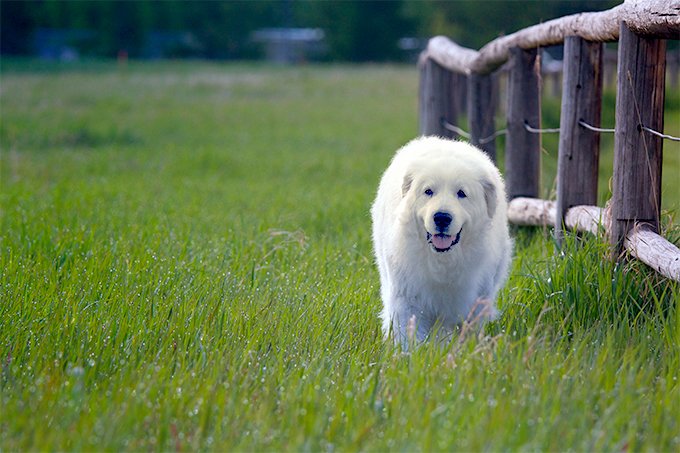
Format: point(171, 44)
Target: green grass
point(185, 263)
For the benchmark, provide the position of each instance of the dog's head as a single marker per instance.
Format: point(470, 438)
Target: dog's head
point(449, 201)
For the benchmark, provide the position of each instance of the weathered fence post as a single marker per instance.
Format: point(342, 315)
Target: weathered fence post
point(523, 148)
point(636, 196)
point(482, 98)
point(579, 148)
point(436, 100)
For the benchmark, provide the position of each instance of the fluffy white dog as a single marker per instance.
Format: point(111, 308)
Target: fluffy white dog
point(441, 239)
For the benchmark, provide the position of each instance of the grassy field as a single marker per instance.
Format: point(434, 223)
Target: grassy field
point(185, 264)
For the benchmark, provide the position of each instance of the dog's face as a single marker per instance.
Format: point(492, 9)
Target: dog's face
point(448, 202)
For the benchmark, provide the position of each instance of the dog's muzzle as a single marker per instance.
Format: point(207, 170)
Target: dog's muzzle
point(443, 242)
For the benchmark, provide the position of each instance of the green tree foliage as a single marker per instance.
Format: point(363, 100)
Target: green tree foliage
point(356, 30)
point(359, 30)
point(473, 23)
point(16, 23)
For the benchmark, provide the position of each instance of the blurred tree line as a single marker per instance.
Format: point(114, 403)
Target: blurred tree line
point(354, 30)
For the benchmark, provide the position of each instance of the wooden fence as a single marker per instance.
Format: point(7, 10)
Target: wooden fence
point(451, 74)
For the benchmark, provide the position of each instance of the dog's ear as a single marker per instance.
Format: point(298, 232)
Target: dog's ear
point(406, 184)
point(490, 196)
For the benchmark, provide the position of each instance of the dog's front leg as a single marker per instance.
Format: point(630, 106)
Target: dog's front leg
point(411, 326)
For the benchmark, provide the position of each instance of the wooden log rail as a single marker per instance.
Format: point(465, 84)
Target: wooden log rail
point(642, 243)
point(657, 18)
point(450, 73)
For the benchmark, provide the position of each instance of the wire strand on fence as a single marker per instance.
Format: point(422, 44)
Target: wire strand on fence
point(533, 130)
point(467, 135)
point(485, 140)
point(659, 134)
point(644, 128)
point(593, 128)
point(454, 128)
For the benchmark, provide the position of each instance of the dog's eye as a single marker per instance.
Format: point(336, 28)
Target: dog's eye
point(461, 194)
point(429, 192)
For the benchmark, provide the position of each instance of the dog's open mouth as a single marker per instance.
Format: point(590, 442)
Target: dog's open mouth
point(443, 242)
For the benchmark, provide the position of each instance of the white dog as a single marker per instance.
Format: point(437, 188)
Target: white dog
point(441, 239)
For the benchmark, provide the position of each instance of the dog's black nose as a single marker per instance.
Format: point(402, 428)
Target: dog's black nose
point(442, 220)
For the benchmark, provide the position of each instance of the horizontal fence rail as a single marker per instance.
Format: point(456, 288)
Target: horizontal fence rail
point(454, 78)
point(647, 246)
point(657, 18)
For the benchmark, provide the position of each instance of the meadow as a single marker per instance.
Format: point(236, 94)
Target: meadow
point(185, 264)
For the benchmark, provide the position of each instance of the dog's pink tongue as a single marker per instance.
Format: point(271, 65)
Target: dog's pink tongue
point(442, 241)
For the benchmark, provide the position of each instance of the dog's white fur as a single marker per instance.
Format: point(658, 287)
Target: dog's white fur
point(439, 288)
